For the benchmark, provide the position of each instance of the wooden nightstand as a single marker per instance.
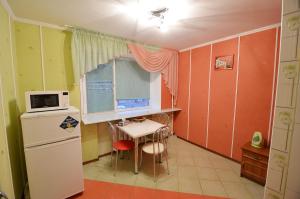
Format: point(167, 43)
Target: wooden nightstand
point(254, 163)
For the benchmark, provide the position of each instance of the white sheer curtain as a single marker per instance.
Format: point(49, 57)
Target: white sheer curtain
point(89, 49)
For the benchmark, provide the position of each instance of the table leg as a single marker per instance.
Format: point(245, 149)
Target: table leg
point(160, 158)
point(136, 152)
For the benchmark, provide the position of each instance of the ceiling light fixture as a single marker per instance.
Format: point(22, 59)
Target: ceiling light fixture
point(158, 13)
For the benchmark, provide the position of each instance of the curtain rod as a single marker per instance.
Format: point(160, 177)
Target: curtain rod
point(71, 28)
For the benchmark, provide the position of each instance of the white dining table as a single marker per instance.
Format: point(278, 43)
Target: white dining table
point(137, 130)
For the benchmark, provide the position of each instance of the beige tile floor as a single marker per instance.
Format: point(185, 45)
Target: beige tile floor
point(192, 170)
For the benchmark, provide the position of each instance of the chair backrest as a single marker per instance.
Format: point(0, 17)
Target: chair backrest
point(165, 119)
point(113, 131)
point(161, 135)
point(162, 118)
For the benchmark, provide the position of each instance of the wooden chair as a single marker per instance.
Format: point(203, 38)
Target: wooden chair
point(118, 145)
point(157, 147)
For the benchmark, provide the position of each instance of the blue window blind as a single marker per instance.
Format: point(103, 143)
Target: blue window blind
point(132, 82)
point(132, 103)
point(99, 87)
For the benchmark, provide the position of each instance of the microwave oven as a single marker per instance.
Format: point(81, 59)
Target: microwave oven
point(46, 100)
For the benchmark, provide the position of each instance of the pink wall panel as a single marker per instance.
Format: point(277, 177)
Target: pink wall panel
point(222, 99)
point(199, 95)
point(181, 118)
point(255, 87)
point(253, 102)
point(166, 97)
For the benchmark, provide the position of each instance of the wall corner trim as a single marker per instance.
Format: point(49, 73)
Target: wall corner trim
point(11, 13)
point(7, 7)
point(189, 94)
point(236, 96)
point(233, 36)
point(274, 86)
point(208, 96)
point(39, 23)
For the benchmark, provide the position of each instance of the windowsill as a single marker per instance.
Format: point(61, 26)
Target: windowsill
point(95, 118)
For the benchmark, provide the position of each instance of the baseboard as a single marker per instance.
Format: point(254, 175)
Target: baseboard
point(96, 159)
point(209, 150)
point(105, 154)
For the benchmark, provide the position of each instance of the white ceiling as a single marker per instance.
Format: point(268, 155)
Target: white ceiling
point(206, 20)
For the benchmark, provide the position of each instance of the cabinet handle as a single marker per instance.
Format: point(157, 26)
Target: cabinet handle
point(253, 157)
point(257, 158)
point(281, 179)
point(297, 42)
point(292, 95)
point(287, 138)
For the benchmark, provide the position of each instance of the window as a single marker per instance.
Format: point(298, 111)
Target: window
point(132, 84)
point(120, 84)
point(132, 103)
point(99, 89)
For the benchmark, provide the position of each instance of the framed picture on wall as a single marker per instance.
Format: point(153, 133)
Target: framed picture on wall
point(224, 62)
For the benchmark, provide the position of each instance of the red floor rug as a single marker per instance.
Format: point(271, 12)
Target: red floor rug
point(104, 190)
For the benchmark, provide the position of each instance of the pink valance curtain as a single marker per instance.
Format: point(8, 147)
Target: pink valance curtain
point(164, 61)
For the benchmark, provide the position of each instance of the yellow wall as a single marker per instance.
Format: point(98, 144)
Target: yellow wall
point(31, 58)
point(58, 75)
point(9, 116)
point(40, 59)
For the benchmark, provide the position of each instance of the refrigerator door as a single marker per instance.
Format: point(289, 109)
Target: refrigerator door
point(55, 170)
point(48, 127)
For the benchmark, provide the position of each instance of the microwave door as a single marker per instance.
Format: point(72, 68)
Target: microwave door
point(44, 101)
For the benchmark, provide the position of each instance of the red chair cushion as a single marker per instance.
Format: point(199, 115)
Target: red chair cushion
point(123, 145)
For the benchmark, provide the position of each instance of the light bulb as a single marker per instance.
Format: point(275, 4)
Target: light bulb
point(163, 27)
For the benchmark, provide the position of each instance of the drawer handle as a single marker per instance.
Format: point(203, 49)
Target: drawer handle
point(257, 166)
point(253, 157)
point(257, 158)
point(292, 95)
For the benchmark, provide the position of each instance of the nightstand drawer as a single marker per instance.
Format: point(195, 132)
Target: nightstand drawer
point(255, 157)
point(254, 172)
point(261, 164)
point(254, 169)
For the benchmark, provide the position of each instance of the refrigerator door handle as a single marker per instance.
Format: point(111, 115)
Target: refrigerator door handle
point(44, 144)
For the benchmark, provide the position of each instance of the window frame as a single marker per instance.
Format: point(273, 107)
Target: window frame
point(155, 92)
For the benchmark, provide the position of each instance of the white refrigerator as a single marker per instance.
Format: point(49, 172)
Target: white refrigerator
point(52, 145)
